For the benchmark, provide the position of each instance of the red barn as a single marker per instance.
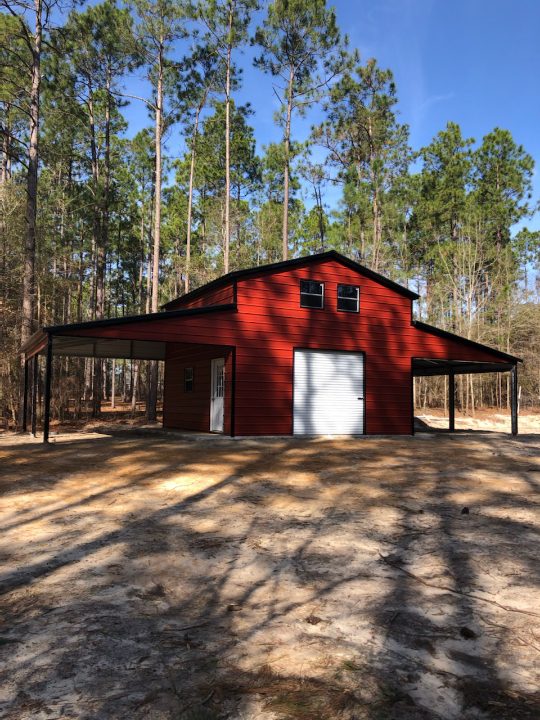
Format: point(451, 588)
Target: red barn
point(314, 345)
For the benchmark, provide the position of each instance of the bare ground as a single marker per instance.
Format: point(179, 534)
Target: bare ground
point(483, 420)
point(176, 577)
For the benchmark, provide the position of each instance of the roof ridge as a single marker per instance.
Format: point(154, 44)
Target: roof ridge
point(283, 264)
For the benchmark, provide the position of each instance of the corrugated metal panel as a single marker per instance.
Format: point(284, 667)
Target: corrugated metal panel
point(216, 296)
point(108, 348)
point(191, 410)
point(328, 393)
point(270, 323)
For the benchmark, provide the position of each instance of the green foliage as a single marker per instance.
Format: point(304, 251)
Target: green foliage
point(14, 81)
point(452, 224)
point(298, 41)
point(245, 168)
point(502, 181)
point(369, 150)
point(445, 180)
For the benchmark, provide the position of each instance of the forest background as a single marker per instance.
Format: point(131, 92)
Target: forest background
point(149, 146)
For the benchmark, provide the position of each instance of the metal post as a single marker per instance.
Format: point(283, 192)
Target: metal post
point(451, 402)
point(514, 399)
point(25, 397)
point(35, 367)
point(47, 401)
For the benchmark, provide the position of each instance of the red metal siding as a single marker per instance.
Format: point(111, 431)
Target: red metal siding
point(272, 312)
point(270, 323)
point(219, 296)
point(191, 410)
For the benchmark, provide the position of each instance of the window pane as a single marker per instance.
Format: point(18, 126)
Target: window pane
point(348, 298)
point(348, 291)
point(347, 304)
point(311, 301)
point(311, 286)
point(311, 294)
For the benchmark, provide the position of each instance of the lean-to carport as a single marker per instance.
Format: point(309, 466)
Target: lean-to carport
point(425, 367)
point(94, 339)
point(49, 345)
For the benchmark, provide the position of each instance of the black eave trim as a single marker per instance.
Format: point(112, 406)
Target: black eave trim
point(59, 329)
point(452, 336)
point(305, 260)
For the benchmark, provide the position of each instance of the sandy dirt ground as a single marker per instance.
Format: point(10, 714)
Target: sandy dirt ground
point(178, 577)
point(483, 420)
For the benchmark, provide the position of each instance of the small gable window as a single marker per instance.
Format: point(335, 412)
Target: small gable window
point(348, 298)
point(311, 294)
point(188, 379)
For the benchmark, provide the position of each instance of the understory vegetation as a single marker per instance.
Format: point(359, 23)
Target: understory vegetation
point(97, 220)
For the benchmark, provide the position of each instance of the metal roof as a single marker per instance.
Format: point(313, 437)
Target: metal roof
point(425, 367)
point(464, 341)
point(296, 262)
point(39, 340)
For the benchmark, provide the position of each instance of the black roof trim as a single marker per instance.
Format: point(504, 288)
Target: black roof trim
point(33, 340)
point(60, 329)
point(472, 343)
point(304, 260)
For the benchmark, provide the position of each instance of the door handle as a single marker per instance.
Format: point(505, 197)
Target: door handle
point(360, 398)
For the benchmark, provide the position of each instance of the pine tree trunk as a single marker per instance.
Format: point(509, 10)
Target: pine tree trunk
point(286, 167)
point(32, 179)
point(141, 263)
point(102, 257)
point(113, 384)
point(190, 196)
point(158, 173)
point(97, 245)
point(28, 289)
point(227, 228)
point(151, 403)
point(134, 383)
point(6, 149)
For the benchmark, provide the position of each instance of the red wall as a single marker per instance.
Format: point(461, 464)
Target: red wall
point(271, 307)
point(270, 323)
point(191, 410)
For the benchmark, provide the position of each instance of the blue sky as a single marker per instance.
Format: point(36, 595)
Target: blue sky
point(475, 62)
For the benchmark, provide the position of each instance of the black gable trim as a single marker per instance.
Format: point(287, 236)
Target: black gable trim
point(296, 262)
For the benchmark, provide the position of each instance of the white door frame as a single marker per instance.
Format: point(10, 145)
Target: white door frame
point(217, 394)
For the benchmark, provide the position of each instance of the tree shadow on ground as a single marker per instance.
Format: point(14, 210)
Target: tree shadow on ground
point(172, 578)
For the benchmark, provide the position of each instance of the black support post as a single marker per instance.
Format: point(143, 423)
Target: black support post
point(47, 400)
point(25, 396)
point(35, 367)
point(514, 399)
point(451, 402)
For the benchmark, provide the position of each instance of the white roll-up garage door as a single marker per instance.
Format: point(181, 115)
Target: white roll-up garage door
point(328, 393)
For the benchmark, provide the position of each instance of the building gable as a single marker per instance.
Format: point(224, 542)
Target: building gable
point(221, 290)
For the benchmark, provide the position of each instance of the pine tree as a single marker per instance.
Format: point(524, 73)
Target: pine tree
point(368, 146)
point(226, 23)
point(298, 41)
point(160, 23)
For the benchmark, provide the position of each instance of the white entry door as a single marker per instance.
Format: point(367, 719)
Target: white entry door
point(218, 395)
point(328, 393)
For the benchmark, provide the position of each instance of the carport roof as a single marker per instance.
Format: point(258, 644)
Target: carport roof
point(423, 367)
point(432, 330)
point(66, 341)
